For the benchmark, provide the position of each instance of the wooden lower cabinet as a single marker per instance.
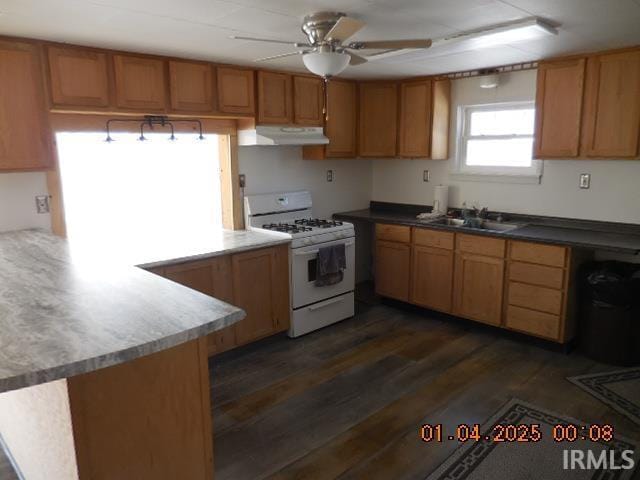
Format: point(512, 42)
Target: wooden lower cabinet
point(478, 288)
point(541, 290)
point(256, 281)
point(261, 288)
point(393, 265)
point(432, 278)
point(523, 286)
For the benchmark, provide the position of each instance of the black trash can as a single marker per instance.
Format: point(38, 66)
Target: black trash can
point(609, 323)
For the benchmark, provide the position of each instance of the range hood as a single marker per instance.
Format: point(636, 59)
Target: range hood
point(282, 135)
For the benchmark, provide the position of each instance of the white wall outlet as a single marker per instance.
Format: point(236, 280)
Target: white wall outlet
point(426, 176)
point(585, 180)
point(42, 204)
point(329, 175)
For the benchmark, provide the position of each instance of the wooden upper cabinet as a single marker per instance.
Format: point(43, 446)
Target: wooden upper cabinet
point(275, 98)
point(235, 90)
point(191, 87)
point(559, 96)
point(612, 105)
point(440, 115)
point(341, 127)
point(308, 101)
point(140, 83)
point(78, 77)
point(415, 119)
point(25, 142)
point(378, 119)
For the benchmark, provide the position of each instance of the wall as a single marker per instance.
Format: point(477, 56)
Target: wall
point(282, 169)
point(17, 201)
point(614, 194)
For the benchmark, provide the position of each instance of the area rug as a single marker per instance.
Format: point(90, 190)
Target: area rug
point(619, 389)
point(545, 459)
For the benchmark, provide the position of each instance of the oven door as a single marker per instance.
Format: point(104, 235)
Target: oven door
point(303, 273)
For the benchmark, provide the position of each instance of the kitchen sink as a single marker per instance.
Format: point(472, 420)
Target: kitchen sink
point(488, 225)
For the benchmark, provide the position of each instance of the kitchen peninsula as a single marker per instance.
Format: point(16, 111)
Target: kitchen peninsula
point(103, 366)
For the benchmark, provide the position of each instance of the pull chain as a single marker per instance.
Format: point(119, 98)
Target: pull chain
point(325, 107)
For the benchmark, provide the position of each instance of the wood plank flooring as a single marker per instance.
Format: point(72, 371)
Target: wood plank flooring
point(347, 401)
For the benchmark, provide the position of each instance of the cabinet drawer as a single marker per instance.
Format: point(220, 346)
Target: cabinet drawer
point(537, 275)
point(491, 247)
point(530, 321)
point(536, 253)
point(393, 233)
point(537, 298)
point(433, 238)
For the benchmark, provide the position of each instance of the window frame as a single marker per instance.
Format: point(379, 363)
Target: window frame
point(462, 171)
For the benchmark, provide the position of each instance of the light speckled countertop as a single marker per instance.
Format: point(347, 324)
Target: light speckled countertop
point(65, 310)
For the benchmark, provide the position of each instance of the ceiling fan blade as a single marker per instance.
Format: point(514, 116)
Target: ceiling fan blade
point(282, 55)
point(391, 44)
point(268, 40)
point(356, 59)
point(344, 28)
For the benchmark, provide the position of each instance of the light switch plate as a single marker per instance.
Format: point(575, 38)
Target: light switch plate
point(426, 176)
point(329, 175)
point(585, 180)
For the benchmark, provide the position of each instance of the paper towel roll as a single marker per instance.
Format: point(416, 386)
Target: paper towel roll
point(441, 199)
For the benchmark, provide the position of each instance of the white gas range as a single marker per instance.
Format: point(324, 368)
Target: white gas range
point(289, 214)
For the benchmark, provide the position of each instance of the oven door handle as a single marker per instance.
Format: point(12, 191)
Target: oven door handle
point(318, 306)
point(315, 252)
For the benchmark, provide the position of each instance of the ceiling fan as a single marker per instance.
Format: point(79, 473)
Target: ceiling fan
point(326, 54)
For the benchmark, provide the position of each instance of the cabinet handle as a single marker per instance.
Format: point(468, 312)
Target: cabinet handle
point(325, 304)
point(315, 252)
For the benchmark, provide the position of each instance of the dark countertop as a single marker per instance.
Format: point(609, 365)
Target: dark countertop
point(613, 237)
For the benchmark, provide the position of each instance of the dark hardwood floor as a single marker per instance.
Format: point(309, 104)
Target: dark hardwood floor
point(347, 401)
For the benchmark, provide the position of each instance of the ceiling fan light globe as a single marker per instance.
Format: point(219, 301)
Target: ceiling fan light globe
point(326, 64)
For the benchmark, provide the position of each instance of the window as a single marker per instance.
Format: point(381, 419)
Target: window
point(133, 195)
point(497, 140)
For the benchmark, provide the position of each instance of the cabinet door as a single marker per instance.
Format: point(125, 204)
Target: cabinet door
point(478, 286)
point(25, 142)
point(432, 278)
point(612, 108)
point(191, 86)
point(78, 77)
point(308, 101)
point(235, 90)
point(415, 119)
point(342, 119)
point(392, 270)
point(440, 114)
point(140, 83)
point(275, 98)
point(559, 95)
point(211, 277)
point(378, 119)
point(260, 288)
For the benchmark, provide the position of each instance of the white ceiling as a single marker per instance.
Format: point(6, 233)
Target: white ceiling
point(201, 28)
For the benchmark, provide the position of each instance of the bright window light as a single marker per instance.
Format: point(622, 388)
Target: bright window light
point(130, 194)
point(497, 140)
